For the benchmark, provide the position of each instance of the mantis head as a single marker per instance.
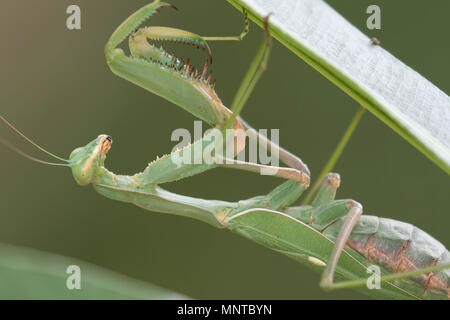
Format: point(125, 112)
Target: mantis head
point(85, 161)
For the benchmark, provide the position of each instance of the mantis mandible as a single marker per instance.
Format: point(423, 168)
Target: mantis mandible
point(306, 233)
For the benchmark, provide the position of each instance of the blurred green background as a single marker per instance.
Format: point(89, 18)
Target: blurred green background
point(57, 88)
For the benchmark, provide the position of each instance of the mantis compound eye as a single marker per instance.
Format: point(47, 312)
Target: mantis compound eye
point(86, 161)
point(105, 145)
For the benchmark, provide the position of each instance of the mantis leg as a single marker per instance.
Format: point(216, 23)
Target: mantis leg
point(278, 199)
point(282, 172)
point(287, 157)
point(191, 160)
point(349, 222)
point(323, 212)
point(326, 214)
point(140, 48)
point(391, 277)
point(327, 189)
point(257, 67)
point(298, 172)
point(131, 23)
point(233, 38)
point(144, 69)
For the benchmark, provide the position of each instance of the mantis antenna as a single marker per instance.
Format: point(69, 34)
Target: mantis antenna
point(9, 145)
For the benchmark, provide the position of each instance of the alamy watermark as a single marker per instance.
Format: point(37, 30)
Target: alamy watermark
point(374, 20)
point(73, 21)
point(74, 279)
point(374, 280)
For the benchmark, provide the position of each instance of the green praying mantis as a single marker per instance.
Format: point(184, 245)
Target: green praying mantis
point(327, 234)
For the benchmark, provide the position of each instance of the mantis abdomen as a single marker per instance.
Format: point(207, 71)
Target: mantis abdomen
point(400, 247)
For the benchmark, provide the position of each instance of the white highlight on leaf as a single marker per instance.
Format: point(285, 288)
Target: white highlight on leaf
point(317, 262)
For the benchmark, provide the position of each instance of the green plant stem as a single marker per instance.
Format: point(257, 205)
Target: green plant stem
point(336, 154)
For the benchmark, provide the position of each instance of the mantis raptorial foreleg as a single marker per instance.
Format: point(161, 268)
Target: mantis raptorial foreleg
point(158, 71)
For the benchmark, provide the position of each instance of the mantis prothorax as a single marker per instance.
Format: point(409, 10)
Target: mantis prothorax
point(395, 245)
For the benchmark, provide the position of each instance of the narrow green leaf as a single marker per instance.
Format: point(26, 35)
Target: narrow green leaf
point(32, 274)
point(399, 96)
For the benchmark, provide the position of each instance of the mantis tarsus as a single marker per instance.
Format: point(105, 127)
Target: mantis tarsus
point(306, 232)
